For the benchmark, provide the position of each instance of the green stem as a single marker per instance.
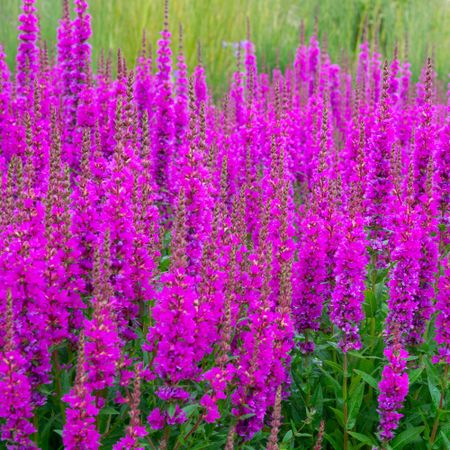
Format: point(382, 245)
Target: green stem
point(149, 440)
point(441, 404)
point(373, 285)
point(108, 423)
point(344, 398)
point(36, 426)
point(191, 431)
point(58, 384)
point(115, 425)
point(98, 395)
point(165, 439)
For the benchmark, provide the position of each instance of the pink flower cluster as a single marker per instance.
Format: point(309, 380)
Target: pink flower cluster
point(182, 252)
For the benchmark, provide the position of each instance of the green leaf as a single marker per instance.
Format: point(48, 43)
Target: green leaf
point(380, 290)
point(337, 367)
point(317, 399)
point(108, 411)
point(369, 379)
point(381, 275)
point(189, 409)
point(354, 404)
point(339, 415)
point(414, 375)
point(336, 444)
point(164, 263)
point(246, 416)
point(362, 438)
point(445, 440)
point(287, 437)
point(171, 410)
point(407, 436)
point(362, 355)
point(432, 372)
point(434, 392)
point(356, 354)
point(44, 433)
point(333, 382)
point(60, 432)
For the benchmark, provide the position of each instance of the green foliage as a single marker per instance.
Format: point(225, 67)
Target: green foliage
point(274, 28)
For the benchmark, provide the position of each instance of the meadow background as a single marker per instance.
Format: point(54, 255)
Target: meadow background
point(417, 27)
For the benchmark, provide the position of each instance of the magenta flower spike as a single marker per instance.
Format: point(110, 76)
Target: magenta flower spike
point(442, 324)
point(195, 181)
point(351, 257)
point(81, 26)
point(393, 387)
point(102, 342)
point(379, 183)
point(394, 83)
point(375, 74)
point(313, 62)
point(16, 408)
point(5, 95)
point(84, 198)
point(200, 86)
point(254, 386)
point(404, 278)
point(425, 135)
point(172, 336)
point(405, 81)
point(117, 211)
point(425, 197)
point(442, 178)
point(27, 52)
point(163, 137)
point(135, 430)
point(309, 278)
point(79, 430)
point(181, 144)
point(251, 71)
point(143, 89)
point(65, 60)
point(300, 64)
point(24, 275)
point(362, 74)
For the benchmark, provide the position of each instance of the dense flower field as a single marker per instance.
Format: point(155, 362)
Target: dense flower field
point(267, 271)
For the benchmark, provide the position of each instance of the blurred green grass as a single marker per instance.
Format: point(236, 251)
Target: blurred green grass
point(421, 26)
